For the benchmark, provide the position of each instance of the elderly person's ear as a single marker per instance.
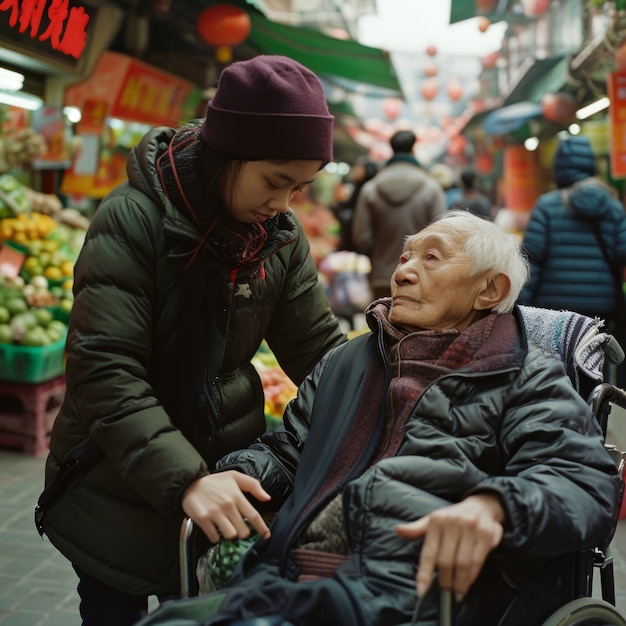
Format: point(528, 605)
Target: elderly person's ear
point(494, 291)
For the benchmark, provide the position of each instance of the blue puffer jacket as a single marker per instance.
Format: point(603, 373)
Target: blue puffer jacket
point(569, 270)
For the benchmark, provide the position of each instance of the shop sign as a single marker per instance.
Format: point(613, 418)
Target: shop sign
point(149, 96)
point(125, 88)
point(53, 30)
point(617, 117)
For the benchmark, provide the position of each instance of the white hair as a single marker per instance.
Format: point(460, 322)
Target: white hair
point(489, 247)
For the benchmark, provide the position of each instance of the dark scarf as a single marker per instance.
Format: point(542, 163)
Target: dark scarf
point(419, 358)
point(209, 266)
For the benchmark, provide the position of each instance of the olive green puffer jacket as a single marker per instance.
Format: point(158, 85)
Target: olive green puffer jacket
point(130, 383)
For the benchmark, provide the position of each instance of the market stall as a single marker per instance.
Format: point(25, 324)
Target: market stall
point(39, 243)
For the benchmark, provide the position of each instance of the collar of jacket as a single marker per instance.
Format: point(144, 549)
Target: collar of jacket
point(403, 157)
point(497, 342)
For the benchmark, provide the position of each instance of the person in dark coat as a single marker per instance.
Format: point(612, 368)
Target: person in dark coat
point(363, 170)
point(185, 270)
point(576, 240)
point(568, 267)
point(472, 197)
point(444, 440)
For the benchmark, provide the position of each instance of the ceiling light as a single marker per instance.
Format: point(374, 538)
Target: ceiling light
point(531, 144)
point(11, 81)
point(73, 114)
point(593, 108)
point(574, 129)
point(22, 100)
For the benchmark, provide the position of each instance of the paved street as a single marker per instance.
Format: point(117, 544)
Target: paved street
point(37, 585)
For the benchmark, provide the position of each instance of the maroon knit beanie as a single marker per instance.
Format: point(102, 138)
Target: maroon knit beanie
point(269, 107)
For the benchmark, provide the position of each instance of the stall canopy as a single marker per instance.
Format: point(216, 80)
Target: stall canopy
point(543, 76)
point(465, 9)
point(510, 118)
point(323, 54)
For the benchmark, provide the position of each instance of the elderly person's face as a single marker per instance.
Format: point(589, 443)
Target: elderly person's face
point(431, 287)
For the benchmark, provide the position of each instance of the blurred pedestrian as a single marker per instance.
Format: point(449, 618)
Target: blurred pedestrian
point(472, 197)
point(187, 267)
point(576, 242)
point(446, 177)
point(399, 201)
point(362, 171)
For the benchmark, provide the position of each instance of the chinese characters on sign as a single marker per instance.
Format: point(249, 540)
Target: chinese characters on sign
point(66, 26)
point(50, 27)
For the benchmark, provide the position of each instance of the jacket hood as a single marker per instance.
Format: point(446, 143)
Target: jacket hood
point(591, 199)
point(573, 161)
point(393, 184)
point(141, 166)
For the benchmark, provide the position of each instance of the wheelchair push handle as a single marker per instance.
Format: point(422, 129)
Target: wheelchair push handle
point(188, 579)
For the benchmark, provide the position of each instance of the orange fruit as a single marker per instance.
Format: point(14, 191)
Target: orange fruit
point(67, 268)
point(53, 272)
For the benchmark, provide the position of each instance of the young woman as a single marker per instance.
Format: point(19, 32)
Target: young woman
point(186, 268)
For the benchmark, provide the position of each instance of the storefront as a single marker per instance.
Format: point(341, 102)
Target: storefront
point(119, 102)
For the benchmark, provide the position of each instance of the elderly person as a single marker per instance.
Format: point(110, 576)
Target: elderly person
point(433, 444)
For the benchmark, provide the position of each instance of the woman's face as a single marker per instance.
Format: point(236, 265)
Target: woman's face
point(264, 188)
point(431, 287)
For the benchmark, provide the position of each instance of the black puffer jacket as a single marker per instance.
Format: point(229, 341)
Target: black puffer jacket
point(569, 270)
point(508, 422)
point(159, 373)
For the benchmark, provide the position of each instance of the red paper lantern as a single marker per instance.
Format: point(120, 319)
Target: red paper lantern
point(430, 69)
point(486, 6)
point(483, 163)
point(224, 26)
point(559, 107)
point(456, 145)
point(429, 89)
point(392, 108)
point(490, 60)
point(454, 89)
point(483, 24)
point(533, 8)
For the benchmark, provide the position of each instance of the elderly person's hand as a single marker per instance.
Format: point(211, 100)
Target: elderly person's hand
point(457, 540)
point(217, 503)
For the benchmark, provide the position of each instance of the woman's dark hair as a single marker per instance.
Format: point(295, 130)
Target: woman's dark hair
point(217, 170)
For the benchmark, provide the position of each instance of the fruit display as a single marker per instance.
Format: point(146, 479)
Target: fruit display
point(29, 314)
point(20, 146)
point(50, 238)
point(13, 198)
point(278, 388)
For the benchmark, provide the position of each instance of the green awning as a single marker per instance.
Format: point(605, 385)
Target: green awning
point(321, 53)
point(465, 9)
point(543, 76)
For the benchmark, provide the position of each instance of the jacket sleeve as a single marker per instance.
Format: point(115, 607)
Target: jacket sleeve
point(560, 486)
point(274, 457)
point(535, 245)
point(108, 357)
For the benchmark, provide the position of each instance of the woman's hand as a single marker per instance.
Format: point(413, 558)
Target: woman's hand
point(217, 504)
point(457, 541)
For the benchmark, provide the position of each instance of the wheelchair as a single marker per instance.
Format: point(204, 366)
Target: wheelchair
point(559, 592)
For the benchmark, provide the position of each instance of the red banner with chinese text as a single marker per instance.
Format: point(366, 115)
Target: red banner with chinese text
point(617, 117)
point(133, 91)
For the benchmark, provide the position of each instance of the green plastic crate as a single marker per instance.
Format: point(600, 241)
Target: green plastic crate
point(32, 364)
